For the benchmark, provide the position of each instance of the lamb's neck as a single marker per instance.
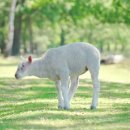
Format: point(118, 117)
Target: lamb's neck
point(37, 68)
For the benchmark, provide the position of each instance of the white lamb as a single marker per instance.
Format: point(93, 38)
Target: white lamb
point(62, 64)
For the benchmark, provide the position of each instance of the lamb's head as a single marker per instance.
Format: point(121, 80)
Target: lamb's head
point(23, 68)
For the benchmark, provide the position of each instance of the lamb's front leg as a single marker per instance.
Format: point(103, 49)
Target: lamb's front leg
point(73, 87)
point(60, 97)
point(65, 89)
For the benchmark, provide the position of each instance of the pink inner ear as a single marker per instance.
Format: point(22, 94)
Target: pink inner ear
point(30, 59)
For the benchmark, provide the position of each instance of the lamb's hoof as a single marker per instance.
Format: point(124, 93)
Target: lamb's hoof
point(66, 108)
point(60, 107)
point(92, 107)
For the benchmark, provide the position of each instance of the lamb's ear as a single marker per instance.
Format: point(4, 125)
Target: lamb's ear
point(22, 58)
point(30, 59)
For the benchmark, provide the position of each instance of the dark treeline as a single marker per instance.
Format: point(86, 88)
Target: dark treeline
point(32, 26)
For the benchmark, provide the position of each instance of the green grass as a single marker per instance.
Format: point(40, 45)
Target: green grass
point(32, 103)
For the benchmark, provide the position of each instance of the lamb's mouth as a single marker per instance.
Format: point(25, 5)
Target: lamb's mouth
point(17, 76)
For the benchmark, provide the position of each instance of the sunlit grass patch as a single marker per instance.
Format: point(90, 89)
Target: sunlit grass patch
point(31, 103)
point(116, 72)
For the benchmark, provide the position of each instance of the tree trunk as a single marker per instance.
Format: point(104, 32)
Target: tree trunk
point(2, 36)
point(123, 47)
point(90, 33)
point(2, 42)
point(62, 37)
point(116, 46)
point(11, 28)
point(17, 31)
point(24, 43)
point(30, 29)
point(17, 35)
point(108, 47)
point(101, 47)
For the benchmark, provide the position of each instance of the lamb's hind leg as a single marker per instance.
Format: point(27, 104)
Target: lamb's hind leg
point(73, 87)
point(96, 89)
point(60, 97)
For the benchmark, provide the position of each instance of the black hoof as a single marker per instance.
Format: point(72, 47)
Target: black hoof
point(92, 107)
point(66, 108)
point(60, 107)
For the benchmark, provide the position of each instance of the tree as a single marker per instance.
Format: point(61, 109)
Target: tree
point(4, 16)
point(18, 28)
point(61, 13)
point(63, 18)
point(11, 28)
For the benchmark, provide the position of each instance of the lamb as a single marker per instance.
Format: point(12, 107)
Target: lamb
point(63, 64)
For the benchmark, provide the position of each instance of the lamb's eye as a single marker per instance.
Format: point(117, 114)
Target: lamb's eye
point(23, 65)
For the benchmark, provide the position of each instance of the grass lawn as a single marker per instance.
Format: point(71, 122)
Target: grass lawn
point(32, 103)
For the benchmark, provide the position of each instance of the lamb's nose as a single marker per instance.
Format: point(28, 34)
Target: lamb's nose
point(16, 76)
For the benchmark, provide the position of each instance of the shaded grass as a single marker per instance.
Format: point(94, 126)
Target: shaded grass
point(32, 104)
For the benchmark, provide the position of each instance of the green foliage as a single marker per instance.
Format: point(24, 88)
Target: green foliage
point(114, 11)
point(100, 22)
point(3, 23)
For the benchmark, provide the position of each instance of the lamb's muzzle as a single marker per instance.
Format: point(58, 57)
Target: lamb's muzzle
point(16, 76)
